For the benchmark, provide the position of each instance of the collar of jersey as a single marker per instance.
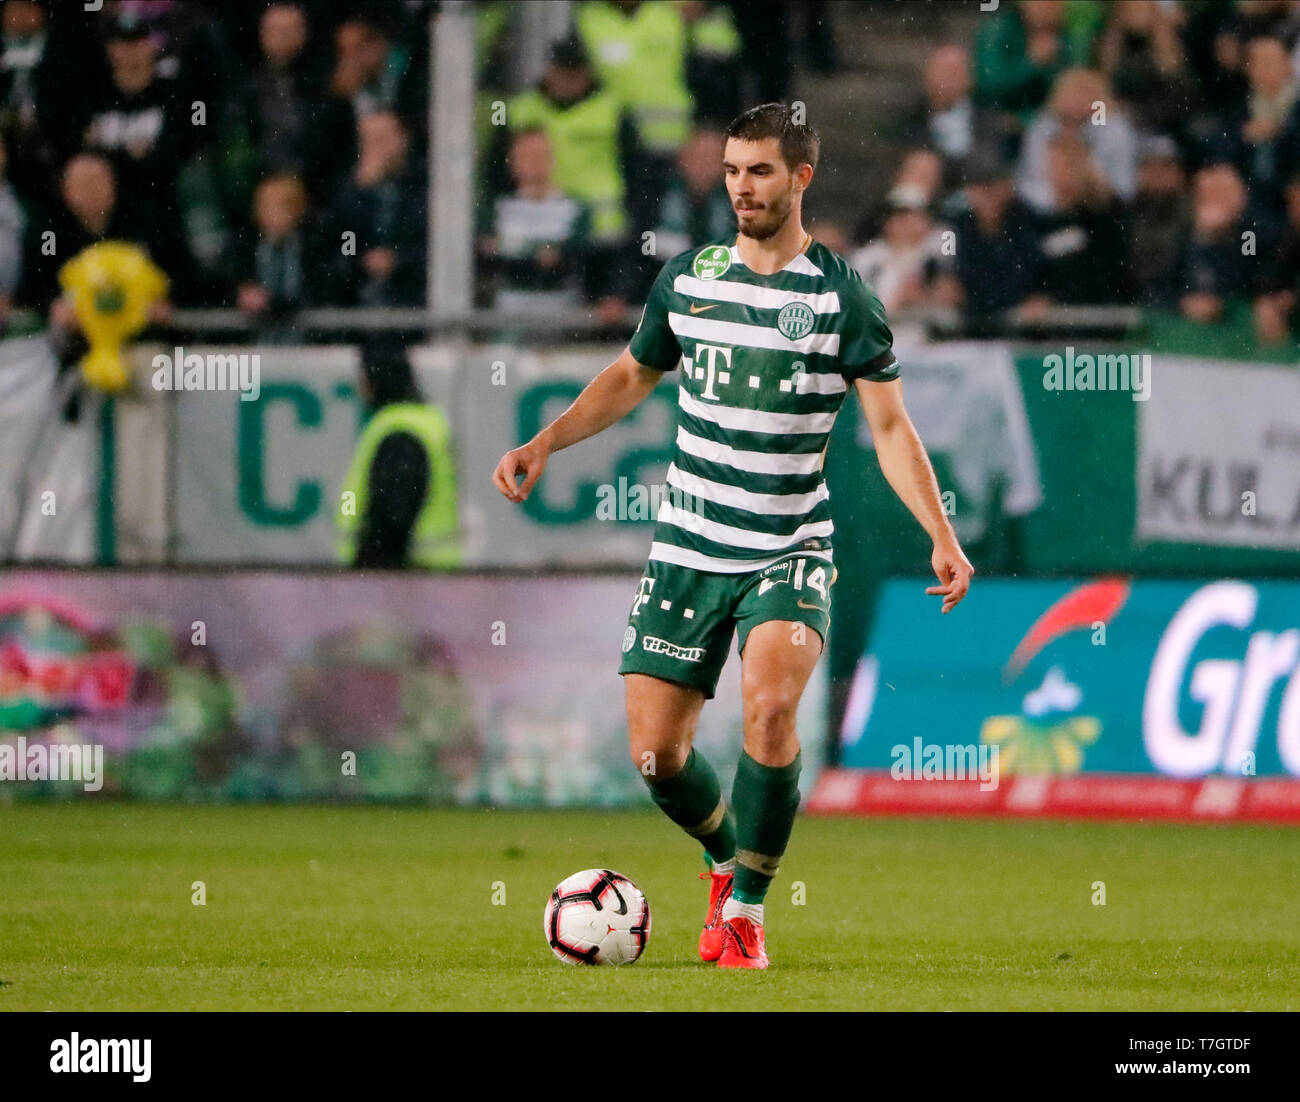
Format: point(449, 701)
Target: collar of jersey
point(734, 249)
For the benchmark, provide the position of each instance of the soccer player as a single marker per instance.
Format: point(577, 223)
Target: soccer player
point(770, 329)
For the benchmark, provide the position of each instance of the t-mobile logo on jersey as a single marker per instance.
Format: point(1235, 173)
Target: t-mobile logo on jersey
point(642, 594)
point(711, 369)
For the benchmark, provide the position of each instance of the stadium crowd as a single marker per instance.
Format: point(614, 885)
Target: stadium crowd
point(272, 155)
point(1140, 152)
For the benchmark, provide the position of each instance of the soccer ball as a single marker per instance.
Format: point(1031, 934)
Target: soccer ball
point(597, 917)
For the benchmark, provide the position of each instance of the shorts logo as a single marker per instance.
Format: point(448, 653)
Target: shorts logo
point(812, 608)
point(780, 572)
point(671, 650)
point(712, 262)
point(795, 321)
point(629, 638)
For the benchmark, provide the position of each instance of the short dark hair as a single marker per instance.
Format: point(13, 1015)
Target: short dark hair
point(799, 141)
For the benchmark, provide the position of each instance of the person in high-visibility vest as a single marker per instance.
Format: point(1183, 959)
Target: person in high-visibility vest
point(639, 52)
point(591, 136)
point(398, 503)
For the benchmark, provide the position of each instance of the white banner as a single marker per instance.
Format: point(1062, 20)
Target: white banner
point(1219, 455)
point(49, 466)
point(965, 400)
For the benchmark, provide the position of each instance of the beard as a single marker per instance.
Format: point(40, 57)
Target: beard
point(776, 213)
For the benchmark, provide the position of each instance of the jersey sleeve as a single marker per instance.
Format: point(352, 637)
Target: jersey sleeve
point(866, 343)
point(654, 343)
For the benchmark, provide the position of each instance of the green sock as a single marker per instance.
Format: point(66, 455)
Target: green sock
point(692, 798)
point(766, 798)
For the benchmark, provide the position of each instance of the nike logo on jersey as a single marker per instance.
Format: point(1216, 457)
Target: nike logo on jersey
point(700, 309)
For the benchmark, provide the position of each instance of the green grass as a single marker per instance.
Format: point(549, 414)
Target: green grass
point(380, 909)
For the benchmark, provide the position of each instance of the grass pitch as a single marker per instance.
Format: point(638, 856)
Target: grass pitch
point(392, 909)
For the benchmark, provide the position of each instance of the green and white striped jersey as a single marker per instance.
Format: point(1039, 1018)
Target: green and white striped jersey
point(766, 364)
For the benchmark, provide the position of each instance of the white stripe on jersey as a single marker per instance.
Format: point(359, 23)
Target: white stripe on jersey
point(739, 537)
point(697, 560)
point(736, 498)
point(737, 334)
point(819, 382)
point(754, 462)
point(748, 294)
point(752, 420)
point(800, 265)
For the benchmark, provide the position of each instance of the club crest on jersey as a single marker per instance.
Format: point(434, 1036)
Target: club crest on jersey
point(712, 262)
point(629, 639)
point(795, 321)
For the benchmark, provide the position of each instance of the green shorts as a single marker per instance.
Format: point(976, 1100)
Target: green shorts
point(682, 619)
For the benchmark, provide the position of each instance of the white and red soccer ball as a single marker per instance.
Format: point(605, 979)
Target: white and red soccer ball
point(597, 916)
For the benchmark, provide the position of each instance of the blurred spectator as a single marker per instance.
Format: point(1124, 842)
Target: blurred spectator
point(88, 213)
point(534, 250)
point(13, 227)
point(1269, 122)
point(1162, 219)
point(191, 47)
point(375, 72)
point(592, 140)
point(923, 170)
point(902, 264)
point(637, 49)
point(1141, 55)
point(946, 119)
point(1077, 100)
point(296, 126)
point(695, 206)
point(995, 265)
point(384, 204)
point(1020, 50)
point(1214, 52)
point(25, 69)
point(141, 123)
point(713, 72)
point(1214, 267)
point(1276, 307)
point(1082, 237)
point(280, 266)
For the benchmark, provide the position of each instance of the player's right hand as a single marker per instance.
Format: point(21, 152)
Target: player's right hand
point(530, 461)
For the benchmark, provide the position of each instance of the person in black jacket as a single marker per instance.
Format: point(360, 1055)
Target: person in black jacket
point(995, 265)
point(384, 206)
point(142, 124)
point(1083, 239)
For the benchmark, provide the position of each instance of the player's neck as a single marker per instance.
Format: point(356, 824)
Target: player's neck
point(769, 255)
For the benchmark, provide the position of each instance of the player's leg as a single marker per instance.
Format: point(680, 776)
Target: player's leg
point(782, 636)
point(674, 648)
point(661, 721)
point(779, 659)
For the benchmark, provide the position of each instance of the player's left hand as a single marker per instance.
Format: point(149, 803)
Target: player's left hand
point(954, 572)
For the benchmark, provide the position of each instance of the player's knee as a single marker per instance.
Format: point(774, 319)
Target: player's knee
point(770, 717)
point(659, 760)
